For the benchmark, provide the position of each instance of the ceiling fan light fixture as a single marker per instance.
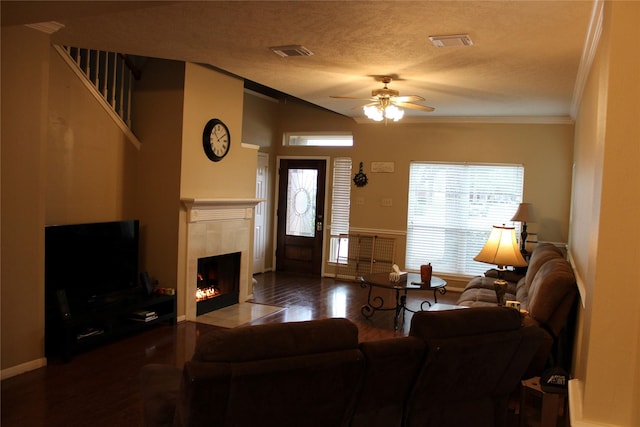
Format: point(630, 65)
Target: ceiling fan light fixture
point(454, 40)
point(393, 113)
point(377, 112)
point(373, 112)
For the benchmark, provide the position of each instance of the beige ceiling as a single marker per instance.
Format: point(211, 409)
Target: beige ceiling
point(523, 62)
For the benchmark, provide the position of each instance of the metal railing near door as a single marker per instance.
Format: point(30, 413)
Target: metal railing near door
point(364, 254)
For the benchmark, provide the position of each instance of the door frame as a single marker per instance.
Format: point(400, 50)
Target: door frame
point(263, 158)
point(276, 200)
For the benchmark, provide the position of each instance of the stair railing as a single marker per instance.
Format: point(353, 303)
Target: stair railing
point(110, 77)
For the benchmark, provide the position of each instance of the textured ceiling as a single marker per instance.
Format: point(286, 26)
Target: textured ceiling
point(523, 62)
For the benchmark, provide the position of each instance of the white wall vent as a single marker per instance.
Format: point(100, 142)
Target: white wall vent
point(451, 41)
point(291, 50)
point(46, 27)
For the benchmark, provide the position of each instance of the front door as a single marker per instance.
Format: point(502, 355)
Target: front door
point(300, 215)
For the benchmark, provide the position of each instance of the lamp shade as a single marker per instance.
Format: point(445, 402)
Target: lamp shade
point(524, 213)
point(501, 248)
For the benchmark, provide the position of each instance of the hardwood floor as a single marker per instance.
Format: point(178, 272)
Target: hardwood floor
point(101, 387)
point(318, 298)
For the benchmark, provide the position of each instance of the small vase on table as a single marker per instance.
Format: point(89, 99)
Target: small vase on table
point(425, 275)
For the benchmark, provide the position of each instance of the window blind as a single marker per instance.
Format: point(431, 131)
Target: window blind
point(452, 208)
point(340, 204)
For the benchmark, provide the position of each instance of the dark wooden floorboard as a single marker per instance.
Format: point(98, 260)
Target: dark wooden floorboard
point(318, 298)
point(100, 387)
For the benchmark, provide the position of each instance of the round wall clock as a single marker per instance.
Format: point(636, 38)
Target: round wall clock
point(216, 140)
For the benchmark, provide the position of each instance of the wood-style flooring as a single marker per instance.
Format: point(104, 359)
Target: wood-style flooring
point(100, 387)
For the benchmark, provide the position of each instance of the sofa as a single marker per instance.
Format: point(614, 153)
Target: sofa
point(456, 367)
point(547, 293)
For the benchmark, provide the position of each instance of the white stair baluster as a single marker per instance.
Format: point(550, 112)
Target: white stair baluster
point(111, 82)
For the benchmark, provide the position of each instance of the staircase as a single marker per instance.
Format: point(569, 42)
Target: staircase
point(110, 77)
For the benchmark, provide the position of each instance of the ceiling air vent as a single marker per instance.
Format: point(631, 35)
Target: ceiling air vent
point(46, 27)
point(451, 41)
point(291, 50)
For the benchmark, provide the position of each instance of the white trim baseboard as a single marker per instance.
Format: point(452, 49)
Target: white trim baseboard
point(575, 407)
point(588, 54)
point(22, 368)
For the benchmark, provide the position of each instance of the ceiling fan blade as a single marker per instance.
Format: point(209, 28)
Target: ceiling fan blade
point(408, 98)
point(352, 97)
point(414, 106)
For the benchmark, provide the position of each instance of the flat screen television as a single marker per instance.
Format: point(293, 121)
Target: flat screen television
point(90, 261)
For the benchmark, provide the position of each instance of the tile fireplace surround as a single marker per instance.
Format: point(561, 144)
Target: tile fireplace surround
point(217, 227)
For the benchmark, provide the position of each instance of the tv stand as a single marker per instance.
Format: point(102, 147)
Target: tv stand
point(85, 323)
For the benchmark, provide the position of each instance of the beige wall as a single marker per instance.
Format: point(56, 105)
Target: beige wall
point(208, 95)
point(546, 150)
point(605, 210)
point(91, 164)
point(25, 74)
point(260, 116)
point(65, 161)
point(157, 119)
point(172, 148)
point(605, 201)
point(260, 127)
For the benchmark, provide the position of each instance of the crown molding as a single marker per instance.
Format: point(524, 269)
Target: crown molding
point(547, 120)
point(588, 54)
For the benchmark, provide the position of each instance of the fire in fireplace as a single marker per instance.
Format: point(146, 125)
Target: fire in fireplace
point(218, 282)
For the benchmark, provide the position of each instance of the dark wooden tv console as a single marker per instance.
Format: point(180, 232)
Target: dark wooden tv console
point(78, 326)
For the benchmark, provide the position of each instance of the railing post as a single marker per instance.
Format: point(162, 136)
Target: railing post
point(97, 80)
point(106, 74)
point(87, 59)
point(129, 90)
point(121, 110)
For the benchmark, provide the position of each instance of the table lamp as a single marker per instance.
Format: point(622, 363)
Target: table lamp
point(501, 249)
point(524, 214)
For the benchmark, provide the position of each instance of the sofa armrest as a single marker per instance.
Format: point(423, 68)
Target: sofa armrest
point(541, 357)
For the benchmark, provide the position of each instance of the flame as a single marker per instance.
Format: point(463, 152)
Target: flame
point(206, 293)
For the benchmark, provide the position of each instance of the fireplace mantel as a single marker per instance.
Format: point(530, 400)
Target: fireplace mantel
point(219, 209)
point(203, 203)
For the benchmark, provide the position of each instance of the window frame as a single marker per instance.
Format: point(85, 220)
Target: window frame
point(462, 215)
point(297, 139)
point(340, 209)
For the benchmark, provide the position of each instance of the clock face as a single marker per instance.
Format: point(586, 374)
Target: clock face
point(216, 140)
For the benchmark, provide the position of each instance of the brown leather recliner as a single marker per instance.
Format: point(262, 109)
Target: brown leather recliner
point(456, 368)
point(288, 374)
point(548, 292)
point(474, 360)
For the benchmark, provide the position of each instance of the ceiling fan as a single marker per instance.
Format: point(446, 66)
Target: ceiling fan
point(386, 103)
